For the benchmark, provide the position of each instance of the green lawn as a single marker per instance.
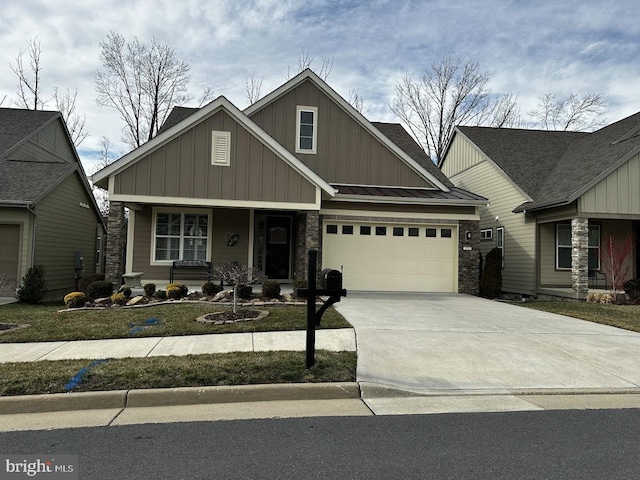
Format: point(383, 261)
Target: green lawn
point(622, 316)
point(239, 368)
point(47, 324)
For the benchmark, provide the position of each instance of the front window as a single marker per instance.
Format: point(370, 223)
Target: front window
point(306, 129)
point(181, 236)
point(563, 247)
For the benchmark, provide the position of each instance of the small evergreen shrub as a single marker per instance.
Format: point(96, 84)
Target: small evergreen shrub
point(176, 290)
point(160, 294)
point(491, 280)
point(87, 280)
point(210, 288)
point(126, 291)
point(270, 289)
point(119, 298)
point(632, 289)
point(100, 289)
point(75, 299)
point(299, 283)
point(33, 288)
point(149, 289)
point(245, 291)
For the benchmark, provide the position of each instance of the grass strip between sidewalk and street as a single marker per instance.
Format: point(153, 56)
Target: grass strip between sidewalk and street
point(621, 316)
point(47, 324)
point(238, 368)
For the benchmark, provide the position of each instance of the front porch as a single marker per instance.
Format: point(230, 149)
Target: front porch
point(581, 255)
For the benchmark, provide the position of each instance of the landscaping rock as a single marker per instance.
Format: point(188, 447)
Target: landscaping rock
point(223, 295)
point(135, 301)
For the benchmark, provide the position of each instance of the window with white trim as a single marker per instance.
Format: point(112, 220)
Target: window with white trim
point(486, 234)
point(220, 148)
point(563, 247)
point(180, 236)
point(306, 129)
point(500, 242)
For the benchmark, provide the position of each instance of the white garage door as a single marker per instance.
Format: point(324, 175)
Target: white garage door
point(392, 257)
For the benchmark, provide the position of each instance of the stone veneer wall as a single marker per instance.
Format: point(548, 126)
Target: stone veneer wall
point(116, 240)
point(308, 236)
point(580, 255)
point(469, 260)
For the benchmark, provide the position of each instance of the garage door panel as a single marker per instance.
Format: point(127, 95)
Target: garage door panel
point(393, 263)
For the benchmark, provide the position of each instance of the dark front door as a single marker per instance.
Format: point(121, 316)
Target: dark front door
point(278, 247)
point(636, 236)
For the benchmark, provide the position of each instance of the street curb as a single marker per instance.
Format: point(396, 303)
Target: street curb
point(161, 397)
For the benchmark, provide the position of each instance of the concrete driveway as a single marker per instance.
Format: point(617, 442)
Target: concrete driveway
point(448, 344)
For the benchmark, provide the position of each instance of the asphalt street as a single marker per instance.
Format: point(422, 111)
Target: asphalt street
point(596, 444)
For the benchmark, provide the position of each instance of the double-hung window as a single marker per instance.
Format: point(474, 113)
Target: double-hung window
point(306, 129)
point(180, 236)
point(563, 246)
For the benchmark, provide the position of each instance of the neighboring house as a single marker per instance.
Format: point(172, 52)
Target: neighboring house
point(48, 215)
point(553, 198)
point(297, 170)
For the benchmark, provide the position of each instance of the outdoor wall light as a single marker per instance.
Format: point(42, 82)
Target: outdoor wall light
point(467, 234)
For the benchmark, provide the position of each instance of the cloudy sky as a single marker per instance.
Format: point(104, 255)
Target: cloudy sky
point(528, 47)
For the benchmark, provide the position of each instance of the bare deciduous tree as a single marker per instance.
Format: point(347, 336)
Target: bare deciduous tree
point(236, 274)
point(574, 112)
point(615, 262)
point(253, 86)
point(305, 60)
point(452, 91)
point(105, 158)
point(357, 101)
point(30, 95)
point(142, 82)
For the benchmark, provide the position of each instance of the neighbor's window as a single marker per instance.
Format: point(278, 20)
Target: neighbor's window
point(181, 236)
point(563, 246)
point(500, 242)
point(306, 129)
point(486, 234)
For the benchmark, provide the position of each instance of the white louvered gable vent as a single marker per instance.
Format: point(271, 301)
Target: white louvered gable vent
point(221, 148)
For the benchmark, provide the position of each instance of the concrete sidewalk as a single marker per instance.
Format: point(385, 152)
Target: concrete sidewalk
point(340, 339)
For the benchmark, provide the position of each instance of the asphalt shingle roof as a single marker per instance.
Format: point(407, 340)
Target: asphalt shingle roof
point(23, 182)
point(553, 168)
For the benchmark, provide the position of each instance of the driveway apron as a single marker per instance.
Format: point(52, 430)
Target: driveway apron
point(439, 343)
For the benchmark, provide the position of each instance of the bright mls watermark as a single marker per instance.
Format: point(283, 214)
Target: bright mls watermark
point(51, 467)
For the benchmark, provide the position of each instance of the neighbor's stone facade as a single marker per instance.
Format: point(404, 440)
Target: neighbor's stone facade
point(580, 255)
point(116, 240)
point(308, 236)
point(469, 260)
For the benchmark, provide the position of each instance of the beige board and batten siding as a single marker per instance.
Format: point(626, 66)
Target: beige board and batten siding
point(49, 144)
point(182, 168)
point(223, 220)
point(346, 152)
point(66, 222)
point(475, 173)
point(617, 194)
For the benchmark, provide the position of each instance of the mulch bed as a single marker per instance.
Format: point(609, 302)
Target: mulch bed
point(223, 318)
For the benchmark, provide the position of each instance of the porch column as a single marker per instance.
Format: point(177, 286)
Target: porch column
point(308, 236)
point(580, 255)
point(469, 257)
point(114, 268)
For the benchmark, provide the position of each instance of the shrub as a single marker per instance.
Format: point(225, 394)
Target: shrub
point(119, 298)
point(270, 289)
point(100, 289)
point(34, 287)
point(245, 291)
point(87, 280)
point(75, 299)
point(599, 298)
point(210, 288)
point(299, 283)
point(632, 289)
point(149, 289)
point(160, 294)
point(491, 280)
point(126, 291)
point(176, 290)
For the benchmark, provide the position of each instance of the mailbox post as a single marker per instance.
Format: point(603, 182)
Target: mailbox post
point(332, 287)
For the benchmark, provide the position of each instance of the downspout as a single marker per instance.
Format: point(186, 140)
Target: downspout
point(33, 234)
